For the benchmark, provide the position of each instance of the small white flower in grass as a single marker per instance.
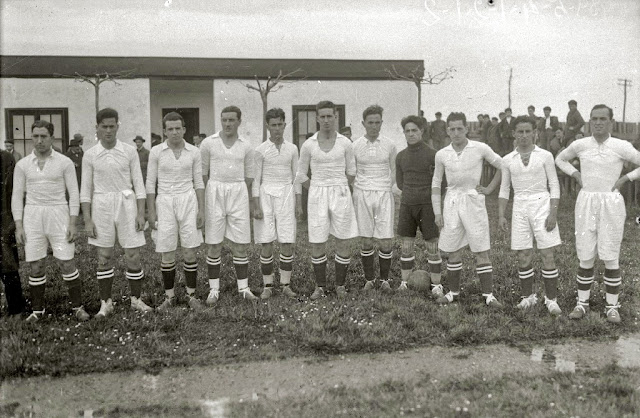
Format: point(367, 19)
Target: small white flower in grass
point(489, 396)
point(552, 404)
point(466, 401)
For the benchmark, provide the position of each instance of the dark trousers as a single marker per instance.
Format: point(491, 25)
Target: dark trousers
point(9, 274)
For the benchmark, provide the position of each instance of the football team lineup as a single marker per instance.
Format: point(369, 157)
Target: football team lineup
point(211, 193)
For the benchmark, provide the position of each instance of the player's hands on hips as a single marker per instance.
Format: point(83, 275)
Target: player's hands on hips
point(550, 222)
point(200, 220)
point(483, 190)
point(140, 222)
point(90, 228)
point(21, 237)
point(152, 218)
point(439, 221)
point(621, 181)
point(71, 231)
point(578, 178)
point(504, 224)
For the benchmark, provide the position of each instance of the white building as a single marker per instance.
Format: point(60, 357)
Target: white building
point(31, 88)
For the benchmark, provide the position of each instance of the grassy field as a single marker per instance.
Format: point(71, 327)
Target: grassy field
point(280, 328)
point(610, 392)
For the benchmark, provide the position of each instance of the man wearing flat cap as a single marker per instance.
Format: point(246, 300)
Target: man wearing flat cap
point(8, 144)
point(75, 153)
point(143, 155)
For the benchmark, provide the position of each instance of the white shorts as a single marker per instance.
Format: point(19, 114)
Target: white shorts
point(375, 211)
point(278, 221)
point(114, 215)
point(177, 218)
point(227, 209)
point(528, 222)
point(465, 222)
point(599, 221)
point(330, 211)
point(45, 225)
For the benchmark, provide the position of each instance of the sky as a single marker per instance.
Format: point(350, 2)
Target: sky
point(558, 49)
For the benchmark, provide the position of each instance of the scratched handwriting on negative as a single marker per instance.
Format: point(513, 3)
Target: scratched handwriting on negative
point(477, 12)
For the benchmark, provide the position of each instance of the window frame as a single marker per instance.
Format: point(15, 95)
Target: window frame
point(9, 113)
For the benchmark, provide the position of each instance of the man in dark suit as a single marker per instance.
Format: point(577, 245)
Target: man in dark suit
point(547, 126)
point(574, 123)
point(506, 129)
point(143, 155)
point(438, 133)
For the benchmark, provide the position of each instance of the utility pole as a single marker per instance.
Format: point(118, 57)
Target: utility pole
point(510, 78)
point(625, 83)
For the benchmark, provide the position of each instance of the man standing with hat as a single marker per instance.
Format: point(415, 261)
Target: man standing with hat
point(8, 145)
point(143, 155)
point(75, 153)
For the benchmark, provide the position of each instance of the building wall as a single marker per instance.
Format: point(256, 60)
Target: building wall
point(130, 98)
point(398, 98)
point(182, 93)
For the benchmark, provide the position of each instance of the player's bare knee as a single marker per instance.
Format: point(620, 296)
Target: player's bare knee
point(432, 249)
point(318, 250)
point(239, 250)
point(343, 247)
point(105, 258)
point(286, 249)
point(266, 250)
point(189, 255)
point(455, 257)
point(548, 259)
point(525, 257)
point(132, 258)
point(407, 247)
point(366, 243)
point(214, 250)
point(170, 257)
point(385, 245)
point(37, 268)
point(67, 266)
point(482, 257)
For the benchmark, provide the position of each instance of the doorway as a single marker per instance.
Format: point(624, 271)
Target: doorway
point(191, 116)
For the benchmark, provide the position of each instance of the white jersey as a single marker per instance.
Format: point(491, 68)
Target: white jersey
point(327, 168)
point(539, 176)
point(275, 166)
point(463, 170)
point(375, 163)
point(600, 163)
point(226, 165)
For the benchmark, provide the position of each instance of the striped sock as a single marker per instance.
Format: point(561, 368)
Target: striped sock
point(485, 273)
point(36, 288)
point(342, 265)
point(526, 280)
point(168, 270)
point(550, 278)
point(406, 266)
point(584, 279)
point(241, 266)
point(384, 260)
point(190, 276)
point(454, 270)
point(286, 267)
point(213, 267)
point(74, 288)
point(105, 283)
point(266, 266)
point(612, 282)
point(435, 271)
point(320, 270)
point(367, 263)
point(134, 278)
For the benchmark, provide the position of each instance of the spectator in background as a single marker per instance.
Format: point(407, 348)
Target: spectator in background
point(574, 123)
point(506, 131)
point(547, 126)
point(493, 137)
point(346, 131)
point(155, 140)
point(197, 139)
point(8, 247)
point(486, 125)
point(425, 132)
point(438, 133)
point(75, 153)
point(143, 155)
point(8, 144)
point(531, 111)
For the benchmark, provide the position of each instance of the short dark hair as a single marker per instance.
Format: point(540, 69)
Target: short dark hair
point(372, 110)
point(531, 107)
point(501, 114)
point(171, 116)
point(325, 104)
point(234, 109)
point(524, 119)
point(345, 129)
point(547, 108)
point(42, 124)
point(202, 136)
point(487, 116)
point(572, 102)
point(602, 106)
point(508, 110)
point(494, 118)
point(155, 136)
point(417, 120)
point(453, 116)
point(275, 113)
point(106, 113)
point(438, 114)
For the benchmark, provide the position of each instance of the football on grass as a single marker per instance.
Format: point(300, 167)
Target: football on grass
point(419, 280)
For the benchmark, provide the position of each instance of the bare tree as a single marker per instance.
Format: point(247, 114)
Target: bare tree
point(97, 79)
point(267, 86)
point(415, 77)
